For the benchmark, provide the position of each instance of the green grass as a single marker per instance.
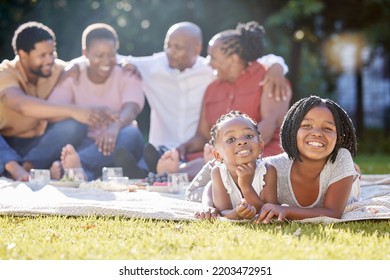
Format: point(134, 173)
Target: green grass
point(94, 238)
point(373, 163)
point(99, 238)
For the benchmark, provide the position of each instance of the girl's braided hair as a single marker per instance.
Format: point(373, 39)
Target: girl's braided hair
point(229, 116)
point(346, 136)
point(246, 41)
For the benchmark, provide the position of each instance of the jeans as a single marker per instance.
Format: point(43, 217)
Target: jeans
point(129, 138)
point(42, 150)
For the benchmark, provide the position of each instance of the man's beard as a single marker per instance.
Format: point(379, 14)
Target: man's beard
point(39, 73)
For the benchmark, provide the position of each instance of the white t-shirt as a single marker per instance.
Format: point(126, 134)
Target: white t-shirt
point(332, 172)
point(175, 97)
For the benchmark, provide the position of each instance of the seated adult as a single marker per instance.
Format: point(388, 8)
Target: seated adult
point(233, 55)
point(120, 143)
point(27, 139)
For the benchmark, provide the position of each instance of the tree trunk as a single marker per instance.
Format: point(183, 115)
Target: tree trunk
point(294, 67)
point(359, 104)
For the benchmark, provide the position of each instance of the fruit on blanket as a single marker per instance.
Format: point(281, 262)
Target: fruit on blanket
point(160, 184)
point(156, 178)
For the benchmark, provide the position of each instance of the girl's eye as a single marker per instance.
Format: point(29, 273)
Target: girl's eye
point(328, 129)
point(305, 125)
point(230, 140)
point(249, 136)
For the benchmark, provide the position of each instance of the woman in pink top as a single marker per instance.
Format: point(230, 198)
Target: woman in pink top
point(103, 83)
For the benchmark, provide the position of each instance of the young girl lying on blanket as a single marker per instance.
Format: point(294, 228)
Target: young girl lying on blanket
point(242, 183)
point(316, 175)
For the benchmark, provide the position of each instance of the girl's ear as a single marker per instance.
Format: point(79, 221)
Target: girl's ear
point(217, 155)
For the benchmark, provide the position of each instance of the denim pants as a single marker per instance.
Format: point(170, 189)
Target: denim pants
point(43, 150)
point(129, 138)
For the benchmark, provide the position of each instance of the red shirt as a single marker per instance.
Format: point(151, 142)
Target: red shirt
point(244, 95)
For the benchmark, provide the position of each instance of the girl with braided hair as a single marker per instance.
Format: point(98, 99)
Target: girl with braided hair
point(316, 175)
point(241, 181)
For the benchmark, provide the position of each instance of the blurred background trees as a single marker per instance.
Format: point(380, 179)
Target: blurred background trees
point(334, 48)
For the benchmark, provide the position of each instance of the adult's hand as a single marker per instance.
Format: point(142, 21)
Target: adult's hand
point(106, 141)
point(131, 69)
point(275, 85)
point(182, 152)
point(95, 116)
point(71, 70)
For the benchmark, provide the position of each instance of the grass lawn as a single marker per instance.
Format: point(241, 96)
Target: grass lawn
point(373, 163)
point(63, 238)
point(116, 238)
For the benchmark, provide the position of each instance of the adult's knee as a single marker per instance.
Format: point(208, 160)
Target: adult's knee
point(131, 139)
point(71, 127)
point(71, 131)
point(130, 136)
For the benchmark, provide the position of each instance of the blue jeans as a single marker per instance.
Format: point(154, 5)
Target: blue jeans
point(43, 150)
point(129, 138)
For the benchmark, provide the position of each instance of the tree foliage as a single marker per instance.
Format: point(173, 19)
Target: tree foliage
point(295, 29)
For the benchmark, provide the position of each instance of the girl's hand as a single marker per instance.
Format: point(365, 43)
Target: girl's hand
point(246, 173)
point(268, 211)
point(210, 213)
point(245, 210)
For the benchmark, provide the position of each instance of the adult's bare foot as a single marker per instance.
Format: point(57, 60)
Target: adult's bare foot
point(56, 170)
point(169, 162)
point(69, 157)
point(17, 172)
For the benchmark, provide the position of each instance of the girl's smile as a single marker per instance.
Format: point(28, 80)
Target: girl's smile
point(317, 135)
point(238, 142)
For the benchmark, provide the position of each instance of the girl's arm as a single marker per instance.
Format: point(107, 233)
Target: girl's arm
point(335, 201)
point(245, 179)
point(221, 198)
point(272, 114)
point(269, 192)
point(209, 211)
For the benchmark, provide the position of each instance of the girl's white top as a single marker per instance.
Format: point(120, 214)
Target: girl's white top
point(232, 188)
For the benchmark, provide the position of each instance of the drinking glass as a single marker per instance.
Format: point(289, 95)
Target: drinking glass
point(74, 175)
point(111, 172)
point(39, 178)
point(177, 182)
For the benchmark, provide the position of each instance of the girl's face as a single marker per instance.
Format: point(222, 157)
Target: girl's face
point(237, 142)
point(317, 134)
point(101, 55)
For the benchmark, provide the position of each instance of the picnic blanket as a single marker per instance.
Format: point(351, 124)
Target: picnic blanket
point(16, 198)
